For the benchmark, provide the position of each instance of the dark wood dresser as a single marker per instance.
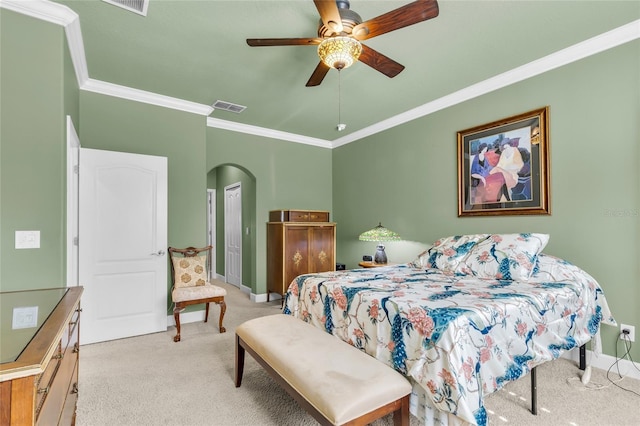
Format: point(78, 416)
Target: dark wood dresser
point(298, 242)
point(40, 353)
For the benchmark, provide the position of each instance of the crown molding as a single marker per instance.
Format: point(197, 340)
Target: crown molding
point(41, 9)
point(76, 50)
point(589, 47)
point(62, 15)
point(267, 133)
point(124, 92)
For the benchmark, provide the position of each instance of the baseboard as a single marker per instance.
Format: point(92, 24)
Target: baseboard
point(257, 298)
point(603, 362)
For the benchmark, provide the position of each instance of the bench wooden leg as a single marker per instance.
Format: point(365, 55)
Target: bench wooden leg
point(239, 362)
point(401, 416)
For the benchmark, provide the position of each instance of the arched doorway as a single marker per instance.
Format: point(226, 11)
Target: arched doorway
point(219, 180)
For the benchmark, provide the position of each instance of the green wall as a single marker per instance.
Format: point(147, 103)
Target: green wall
point(287, 176)
point(38, 89)
point(411, 176)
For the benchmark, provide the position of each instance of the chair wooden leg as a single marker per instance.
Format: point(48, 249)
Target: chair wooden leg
point(223, 308)
point(206, 312)
point(176, 316)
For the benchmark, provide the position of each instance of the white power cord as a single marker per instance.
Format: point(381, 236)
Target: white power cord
point(586, 376)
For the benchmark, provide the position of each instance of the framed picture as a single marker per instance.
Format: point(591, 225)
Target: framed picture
point(503, 167)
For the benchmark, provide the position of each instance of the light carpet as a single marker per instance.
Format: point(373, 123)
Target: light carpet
point(150, 380)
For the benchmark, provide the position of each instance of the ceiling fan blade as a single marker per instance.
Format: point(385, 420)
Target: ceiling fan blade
point(379, 62)
point(318, 75)
point(329, 14)
point(257, 42)
point(401, 17)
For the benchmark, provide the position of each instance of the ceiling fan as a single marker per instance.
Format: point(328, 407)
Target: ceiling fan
point(341, 31)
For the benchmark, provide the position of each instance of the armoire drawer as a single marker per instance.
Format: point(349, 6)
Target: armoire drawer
point(298, 216)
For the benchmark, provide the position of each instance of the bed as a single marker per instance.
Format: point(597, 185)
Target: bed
point(468, 315)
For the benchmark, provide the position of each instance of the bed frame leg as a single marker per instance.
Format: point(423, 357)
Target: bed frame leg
point(534, 391)
point(534, 379)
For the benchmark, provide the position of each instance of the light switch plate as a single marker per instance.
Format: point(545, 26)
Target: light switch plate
point(27, 239)
point(25, 317)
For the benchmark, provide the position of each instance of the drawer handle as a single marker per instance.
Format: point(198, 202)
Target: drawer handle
point(44, 390)
point(58, 356)
point(74, 388)
point(76, 348)
point(72, 323)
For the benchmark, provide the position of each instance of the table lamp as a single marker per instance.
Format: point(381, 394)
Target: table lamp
point(379, 234)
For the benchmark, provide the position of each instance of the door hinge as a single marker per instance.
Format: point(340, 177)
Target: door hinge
point(75, 241)
point(76, 169)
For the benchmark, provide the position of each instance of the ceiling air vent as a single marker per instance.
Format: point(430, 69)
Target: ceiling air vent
point(136, 6)
point(228, 106)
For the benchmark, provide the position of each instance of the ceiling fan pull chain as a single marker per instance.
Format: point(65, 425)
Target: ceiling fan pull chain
point(341, 126)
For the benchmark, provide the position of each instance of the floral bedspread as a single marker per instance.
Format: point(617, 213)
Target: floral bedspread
point(458, 337)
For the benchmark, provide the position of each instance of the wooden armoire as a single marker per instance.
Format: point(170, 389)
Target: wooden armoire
point(298, 242)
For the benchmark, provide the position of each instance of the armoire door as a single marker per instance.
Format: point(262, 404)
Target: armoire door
point(321, 248)
point(296, 253)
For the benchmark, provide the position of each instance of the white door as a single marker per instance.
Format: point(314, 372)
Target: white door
point(73, 166)
point(233, 233)
point(211, 229)
point(123, 240)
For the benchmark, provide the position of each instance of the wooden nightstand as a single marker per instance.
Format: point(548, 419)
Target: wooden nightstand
point(364, 264)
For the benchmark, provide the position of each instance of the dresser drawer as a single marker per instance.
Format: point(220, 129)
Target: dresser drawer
point(45, 380)
point(69, 410)
point(54, 400)
point(298, 216)
point(71, 329)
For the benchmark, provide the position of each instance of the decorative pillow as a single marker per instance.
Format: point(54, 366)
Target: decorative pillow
point(446, 253)
point(190, 271)
point(504, 256)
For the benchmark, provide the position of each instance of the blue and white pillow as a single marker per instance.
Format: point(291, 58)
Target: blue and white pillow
point(446, 253)
point(504, 256)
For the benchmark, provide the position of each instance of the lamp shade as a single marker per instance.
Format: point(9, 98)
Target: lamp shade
point(378, 234)
point(339, 52)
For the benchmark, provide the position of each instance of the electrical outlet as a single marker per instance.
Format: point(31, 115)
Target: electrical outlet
point(631, 337)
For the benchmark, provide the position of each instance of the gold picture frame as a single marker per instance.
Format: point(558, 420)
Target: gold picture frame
point(503, 166)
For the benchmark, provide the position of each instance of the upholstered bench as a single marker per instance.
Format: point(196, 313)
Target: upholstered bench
point(335, 382)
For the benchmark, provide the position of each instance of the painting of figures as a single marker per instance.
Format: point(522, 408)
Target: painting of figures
point(503, 166)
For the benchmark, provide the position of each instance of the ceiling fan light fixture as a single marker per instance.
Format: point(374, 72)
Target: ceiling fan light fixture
point(339, 52)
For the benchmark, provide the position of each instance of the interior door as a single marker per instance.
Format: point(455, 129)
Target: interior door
point(123, 240)
point(233, 233)
point(73, 182)
point(211, 230)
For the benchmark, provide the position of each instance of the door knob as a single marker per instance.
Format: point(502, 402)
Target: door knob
point(158, 253)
